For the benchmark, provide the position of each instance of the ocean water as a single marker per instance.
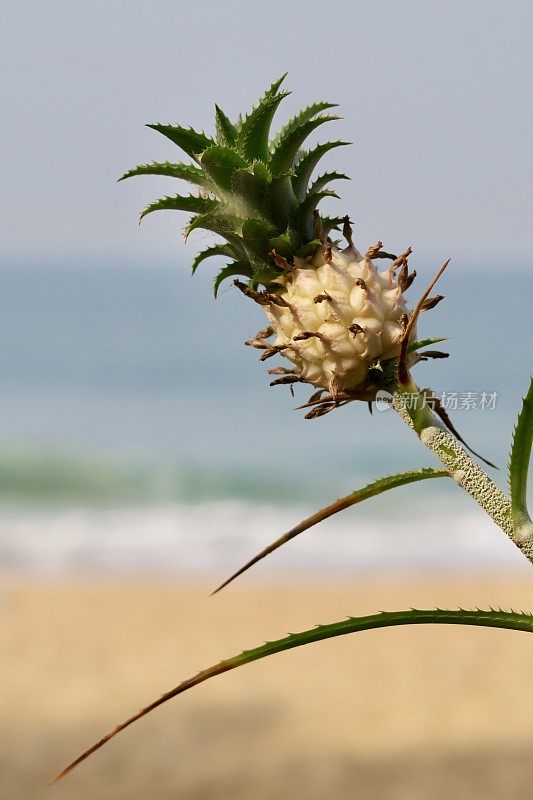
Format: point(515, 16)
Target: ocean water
point(137, 432)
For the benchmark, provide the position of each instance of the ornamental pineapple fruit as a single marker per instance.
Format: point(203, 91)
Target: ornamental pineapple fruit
point(335, 317)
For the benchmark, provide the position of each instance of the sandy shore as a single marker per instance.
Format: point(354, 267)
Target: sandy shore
point(422, 712)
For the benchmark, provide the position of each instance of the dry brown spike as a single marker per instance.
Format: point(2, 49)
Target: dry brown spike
point(321, 297)
point(402, 258)
point(280, 261)
point(403, 372)
point(272, 351)
point(373, 250)
point(431, 302)
point(304, 335)
point(354, 329)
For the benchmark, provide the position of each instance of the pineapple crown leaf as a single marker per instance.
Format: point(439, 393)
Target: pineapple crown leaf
point(285, 152)
point(224, 225)
point(306, 209)
point(303, 116)
point(215, 250)
point(253, 190)
point(199, 205)
point(230, 271)
point(322, 181)
point(225, 130)
point(307, 163)
point(254, 132)
point(220, 163)
point(190, 141)
point(187, 172)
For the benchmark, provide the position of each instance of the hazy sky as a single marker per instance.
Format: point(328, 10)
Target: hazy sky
point(436, 95)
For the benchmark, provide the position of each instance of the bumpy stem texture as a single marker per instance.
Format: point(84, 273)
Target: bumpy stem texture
point(465, 472)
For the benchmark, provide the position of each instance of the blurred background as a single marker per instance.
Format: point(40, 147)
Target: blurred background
point(143, 455)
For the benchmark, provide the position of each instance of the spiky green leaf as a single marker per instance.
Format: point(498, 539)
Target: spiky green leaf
point(256, 234)
point(231, 270)
point(284, 154)
point(508, 620)
point(519, 461)
point(191, 142)
point(274, 88)
point(216, 250)
point(299, 119)
point(253, 135)
point(331, 224)
point(250, 190)
point(323, 180)
point(352, 499)
point(196, 205)
point(223, 224)
point(287, 244)
point(304, 217)
point(220, 163)
point(226, 130)
point(187, 172)
point(306, 165)
point(424, 343)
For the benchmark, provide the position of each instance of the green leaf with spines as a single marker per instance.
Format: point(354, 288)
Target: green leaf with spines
point(519, 462)
point(256, 235)
point(232, 270)
point(286, 244)
point(304, 217)
point(299, 119)
point(494, 618)
point(251, 191)
point(284, 154)
point(331, 224)
point(273, 89)
point(198, 205)
point(216, 250)
point(309, 249)
point(187, 172)
point(190, 141)
point(306, 165)
point(220, 163)
point(371, 490)
point(226, 131)
point(425, 343)
point(323, 180)
point(252, 139)
point(223, 224)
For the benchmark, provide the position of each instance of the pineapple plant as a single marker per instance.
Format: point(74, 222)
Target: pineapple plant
point(341, 323)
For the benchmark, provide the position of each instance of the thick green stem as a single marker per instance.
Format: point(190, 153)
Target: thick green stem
point(463, 469)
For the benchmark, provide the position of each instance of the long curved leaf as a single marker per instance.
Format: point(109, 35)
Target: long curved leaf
point(372, 490)
point(198, 205)
point(215, 250)
point(253, 135)
point(285, 152)
point(323, 180)
point(303, 116)
point(188, 172)
point(307, 163)
point(519, 461)
point(191, 142)
point(508, 620)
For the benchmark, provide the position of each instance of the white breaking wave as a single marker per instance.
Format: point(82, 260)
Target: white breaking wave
point(219, 537)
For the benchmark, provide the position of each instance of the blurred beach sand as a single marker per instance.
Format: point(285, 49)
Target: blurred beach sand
point(406, 714)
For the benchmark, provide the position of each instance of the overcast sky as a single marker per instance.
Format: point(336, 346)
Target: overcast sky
point(436, 95)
